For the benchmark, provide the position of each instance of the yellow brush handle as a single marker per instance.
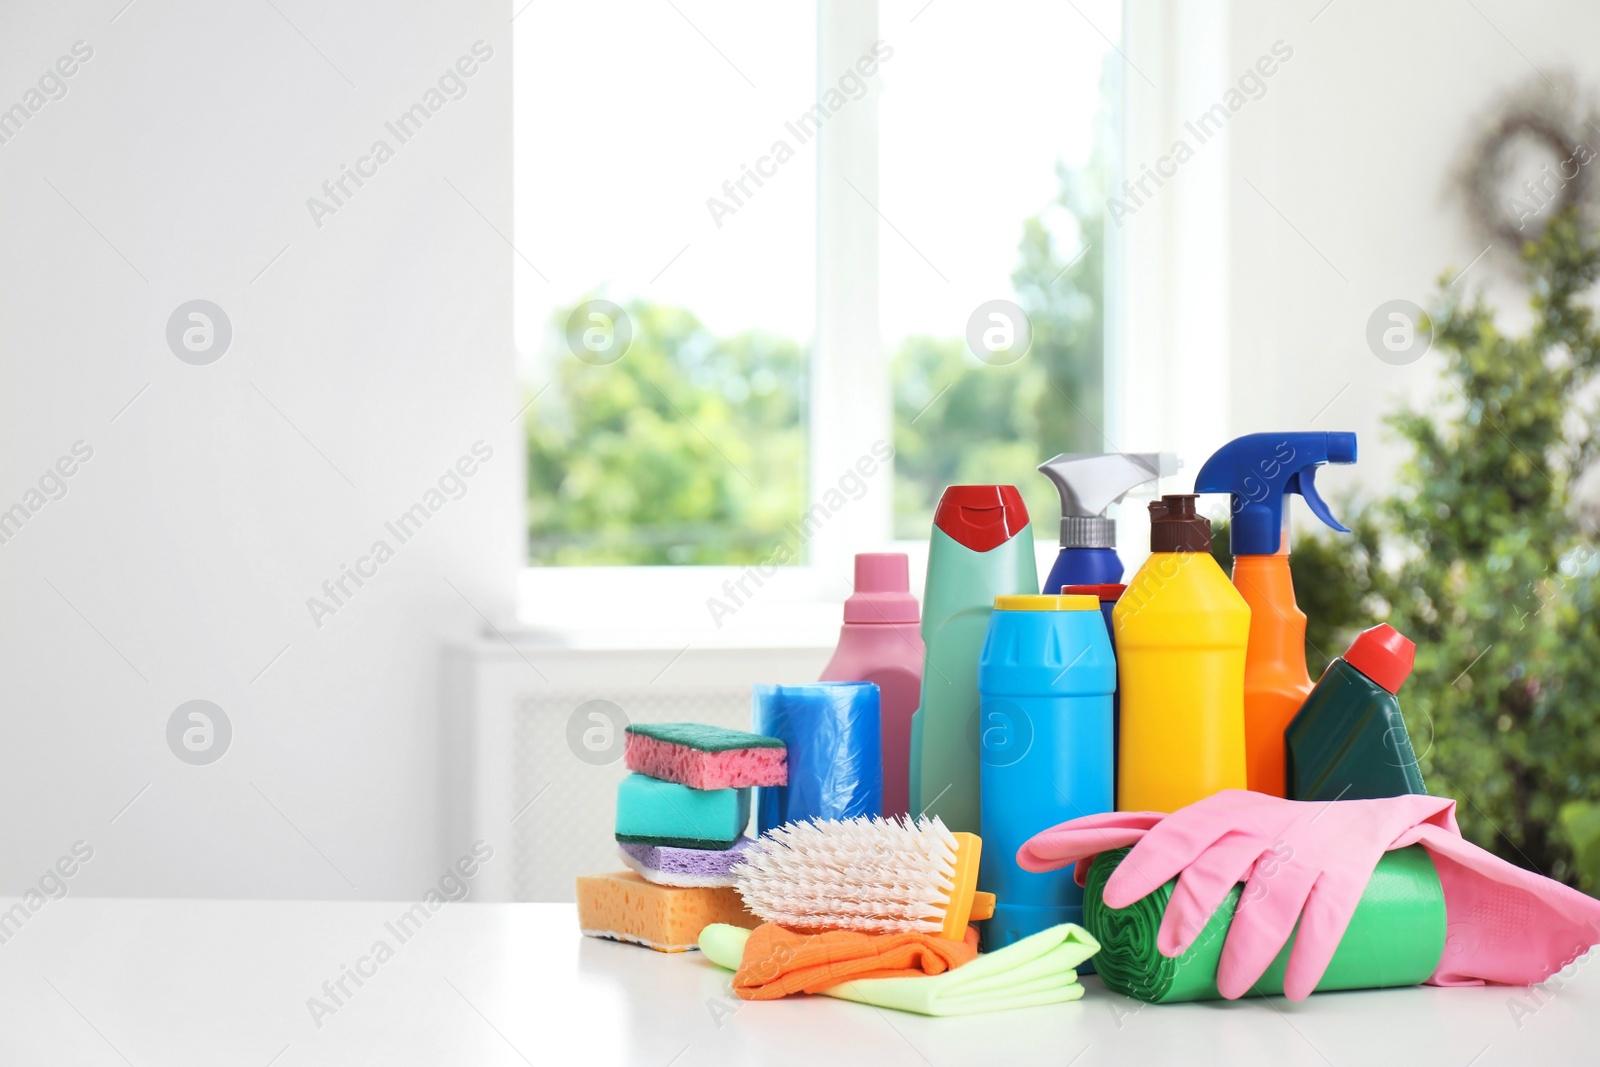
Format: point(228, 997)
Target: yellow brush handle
point(963, 906)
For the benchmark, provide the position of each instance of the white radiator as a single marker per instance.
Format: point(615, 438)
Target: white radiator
point(532, 745)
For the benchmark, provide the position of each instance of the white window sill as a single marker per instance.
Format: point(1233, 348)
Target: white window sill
point(678, 607)
point(601, 608)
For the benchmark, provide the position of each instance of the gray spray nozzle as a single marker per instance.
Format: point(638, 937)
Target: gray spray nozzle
point(1090, 482)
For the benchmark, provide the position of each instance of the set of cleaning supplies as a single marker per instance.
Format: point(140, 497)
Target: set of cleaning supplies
point(680, 820)
point(1089, 483)
point(1046, 675)
point(1164, 698)
point(1258, 472)
point(881, 643)
point(1349, 741)
point(833, 737)
point(1181, 632)
point(981, 547)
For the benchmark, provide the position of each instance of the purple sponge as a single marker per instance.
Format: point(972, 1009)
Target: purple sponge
point(667, 865)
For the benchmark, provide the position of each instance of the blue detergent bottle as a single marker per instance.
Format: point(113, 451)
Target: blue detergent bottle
point(1089, 483)
point(1045, 680)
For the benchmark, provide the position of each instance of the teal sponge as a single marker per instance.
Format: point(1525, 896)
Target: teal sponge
point(653, 812)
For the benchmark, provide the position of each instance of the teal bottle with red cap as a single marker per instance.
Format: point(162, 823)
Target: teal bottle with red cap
point(981, 547)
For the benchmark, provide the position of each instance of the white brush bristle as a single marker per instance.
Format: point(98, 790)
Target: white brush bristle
point(874, 875)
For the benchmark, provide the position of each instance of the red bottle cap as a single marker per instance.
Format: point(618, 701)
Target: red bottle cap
point(883, 589)
point(981, 517)
point(1383, 654)
point(1110, 591)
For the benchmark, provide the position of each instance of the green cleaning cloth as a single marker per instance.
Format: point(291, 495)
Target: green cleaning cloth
point(1395, 937)
point(1040, 969)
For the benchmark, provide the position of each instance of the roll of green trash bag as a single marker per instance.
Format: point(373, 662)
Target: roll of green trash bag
point(1395, 937)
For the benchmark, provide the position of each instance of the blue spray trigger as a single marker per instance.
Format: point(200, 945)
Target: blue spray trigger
point(1304, 483)
point(1259, 469)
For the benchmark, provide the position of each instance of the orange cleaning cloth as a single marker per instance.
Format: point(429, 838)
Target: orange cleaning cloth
point(778, 962)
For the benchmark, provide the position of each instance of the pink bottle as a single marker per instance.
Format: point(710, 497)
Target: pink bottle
point(881, 642)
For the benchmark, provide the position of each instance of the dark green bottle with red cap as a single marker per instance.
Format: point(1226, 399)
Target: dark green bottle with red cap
point(1349, 741)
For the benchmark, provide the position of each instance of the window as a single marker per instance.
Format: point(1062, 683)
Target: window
point(760, 245)
point(993, 186)
point(665, 305)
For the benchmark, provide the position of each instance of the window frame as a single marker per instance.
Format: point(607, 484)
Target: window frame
point(851, 411)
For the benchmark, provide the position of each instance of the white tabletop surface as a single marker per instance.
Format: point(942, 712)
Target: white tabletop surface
point(146, 983)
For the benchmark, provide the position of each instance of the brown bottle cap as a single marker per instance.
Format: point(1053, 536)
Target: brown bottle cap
point(1174, 526)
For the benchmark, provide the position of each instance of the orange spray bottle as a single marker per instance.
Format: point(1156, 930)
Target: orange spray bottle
point(1258, 471)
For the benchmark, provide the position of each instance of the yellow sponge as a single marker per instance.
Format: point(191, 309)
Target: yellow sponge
point(667, 918)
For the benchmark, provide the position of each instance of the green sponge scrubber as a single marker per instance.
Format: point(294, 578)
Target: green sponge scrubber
point(653, 812)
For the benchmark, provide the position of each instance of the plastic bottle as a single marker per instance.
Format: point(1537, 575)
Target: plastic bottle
point(1349, 740)
point(1182, 629)
point(1107, 593)
point(981, 547)
point(1046, 677)
point(1259, 470)
point(881, 642)
point(1089, 483)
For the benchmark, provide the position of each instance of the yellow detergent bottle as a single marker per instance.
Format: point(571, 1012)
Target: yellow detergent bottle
point(1182, 630)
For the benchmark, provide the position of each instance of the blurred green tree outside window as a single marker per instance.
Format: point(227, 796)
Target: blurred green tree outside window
point(1484, 556)
point(958, 420)
point(691, 449)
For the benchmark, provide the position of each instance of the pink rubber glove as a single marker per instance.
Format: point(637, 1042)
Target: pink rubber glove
point(1506, 924)
point(1305, 863)
point(1081, 840)
point(1315, 860)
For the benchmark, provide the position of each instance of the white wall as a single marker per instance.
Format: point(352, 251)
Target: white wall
point(370, 355)
point(1354, 144)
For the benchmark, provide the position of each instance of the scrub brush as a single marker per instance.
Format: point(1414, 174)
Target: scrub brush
point(873, 875)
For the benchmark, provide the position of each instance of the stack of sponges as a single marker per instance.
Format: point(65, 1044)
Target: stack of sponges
point(681, 817)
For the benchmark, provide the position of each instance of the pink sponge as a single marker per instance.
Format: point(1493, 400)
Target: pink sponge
point(706, 757)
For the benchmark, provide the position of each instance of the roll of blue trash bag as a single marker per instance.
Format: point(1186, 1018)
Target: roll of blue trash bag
point(835, 758)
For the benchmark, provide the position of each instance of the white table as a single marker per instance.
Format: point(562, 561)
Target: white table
point(169, 982)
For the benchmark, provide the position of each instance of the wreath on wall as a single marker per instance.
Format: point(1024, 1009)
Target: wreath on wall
point(1537, 156)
